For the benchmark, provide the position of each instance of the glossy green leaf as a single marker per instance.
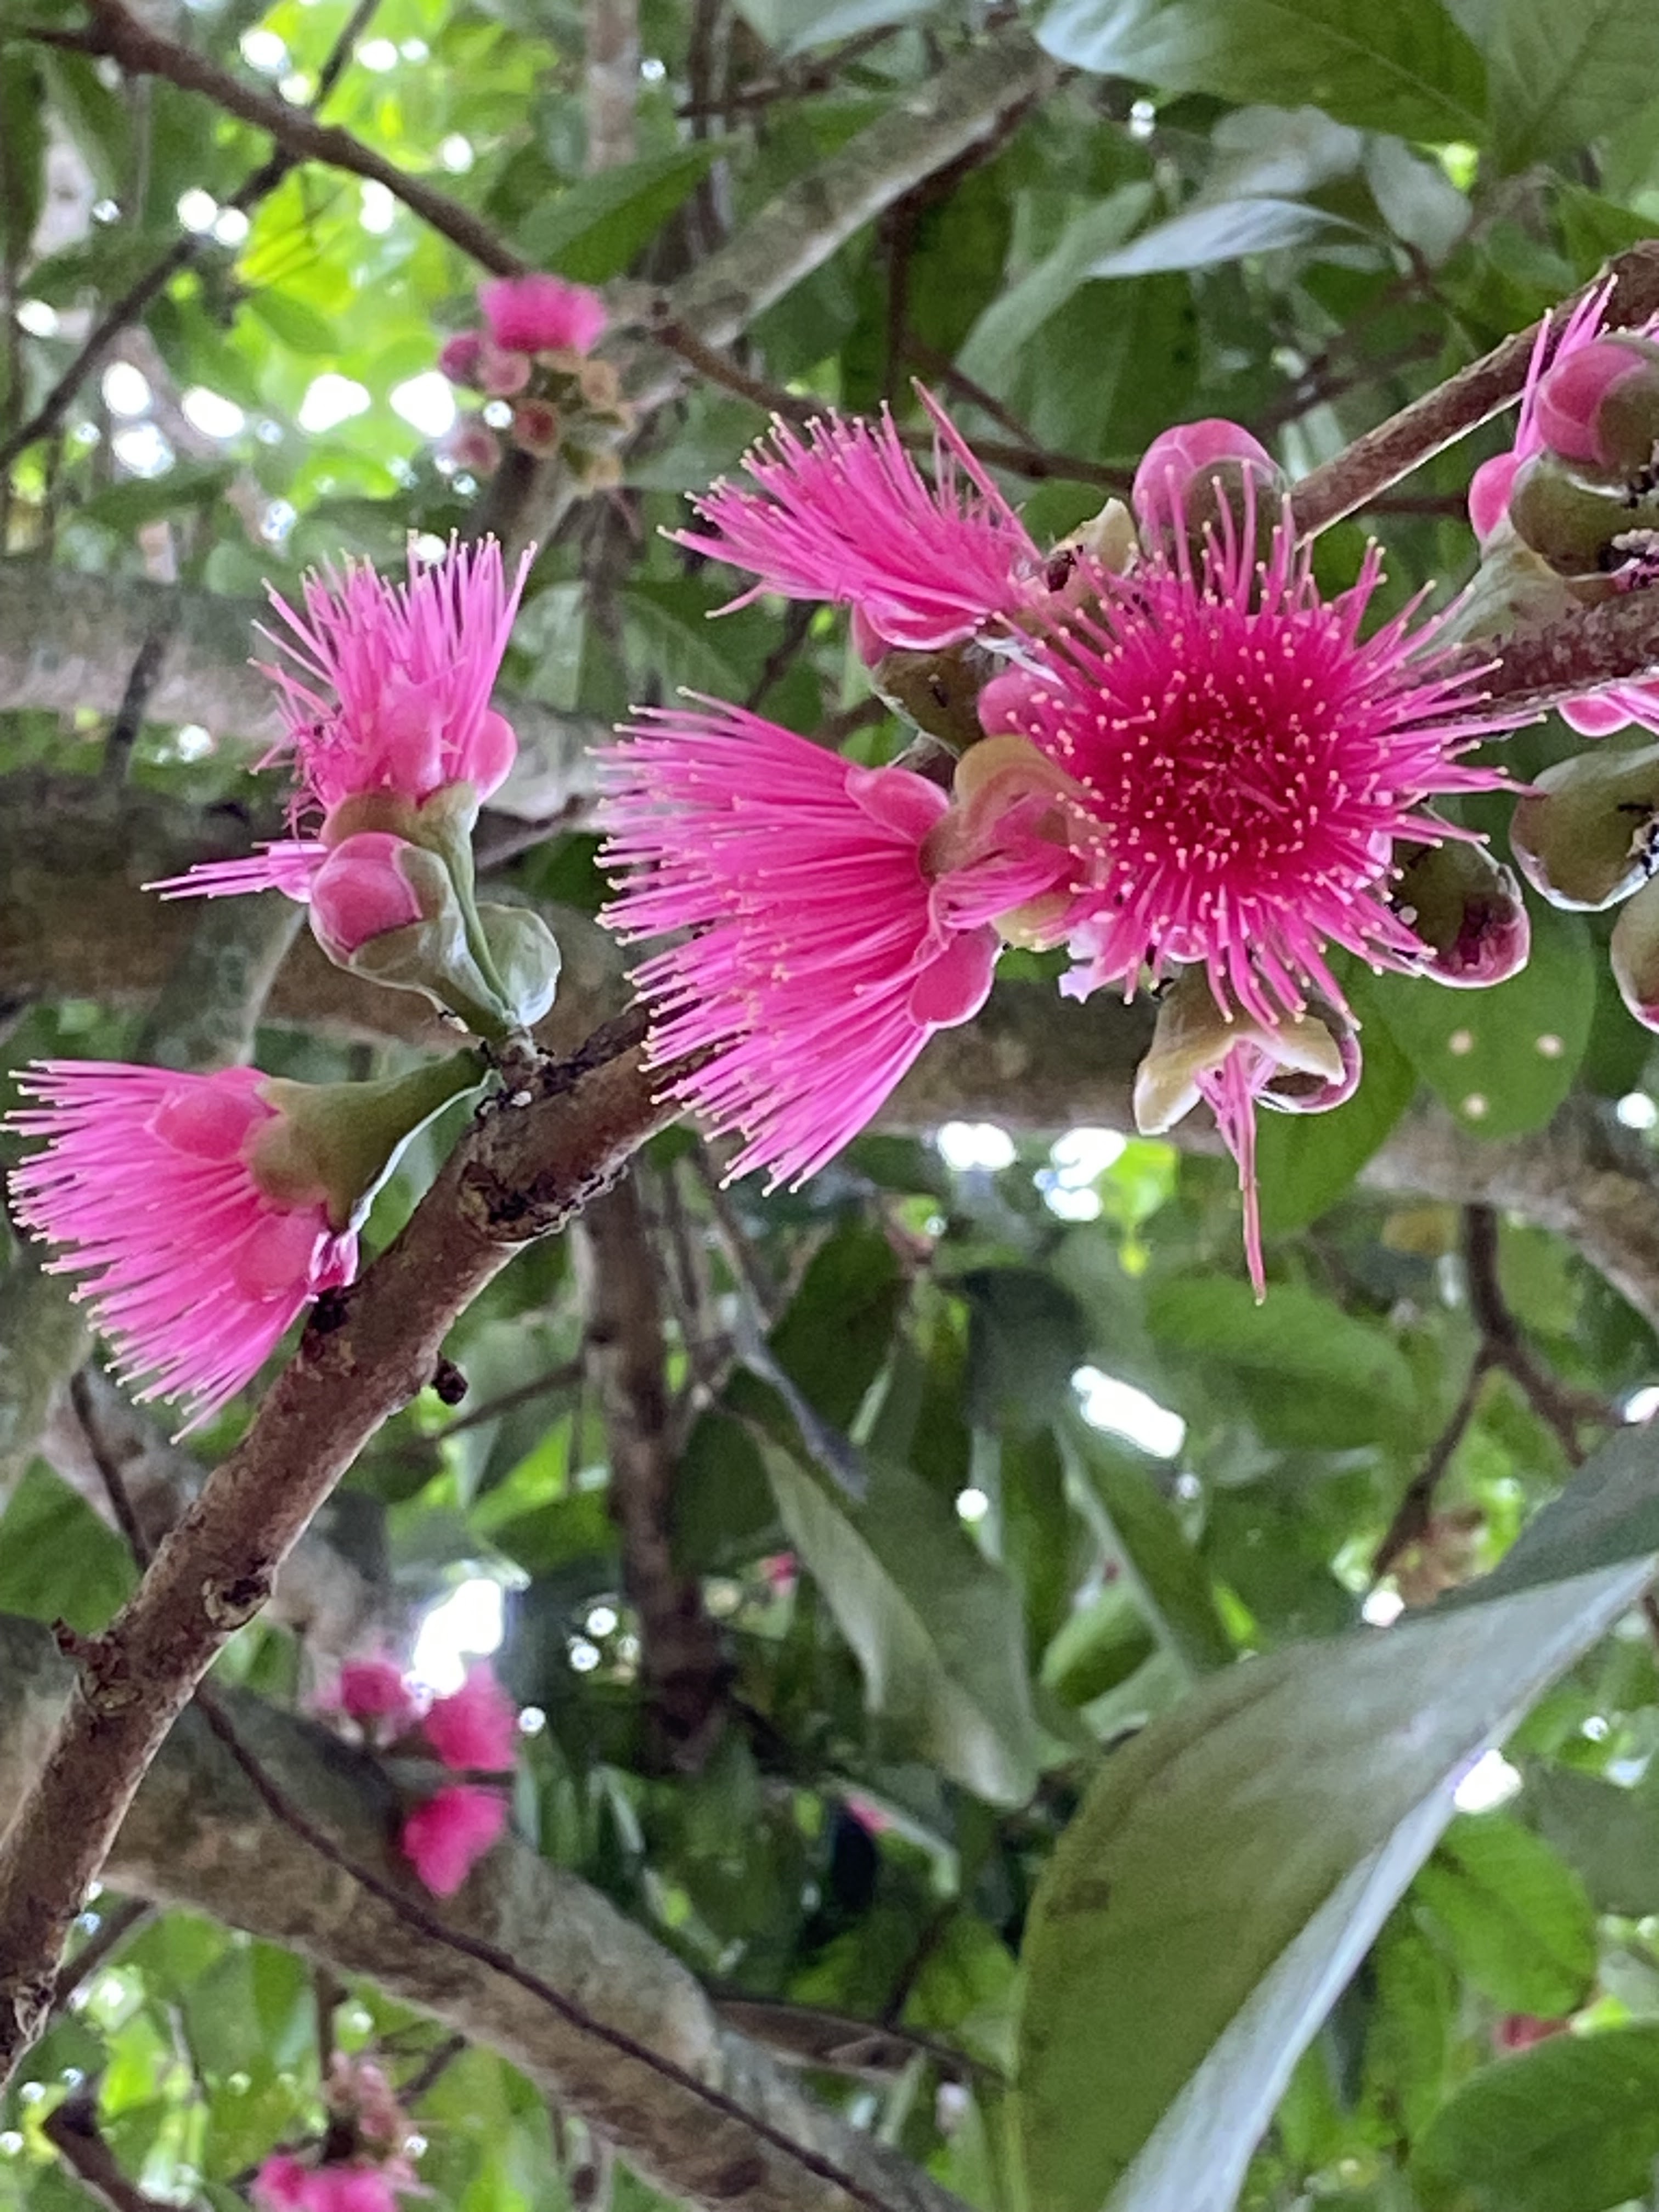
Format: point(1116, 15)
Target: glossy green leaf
point(1560, 76)
point(1227, 230)
point(1501, 1060)
point(1226, 1873)
point(1405, 67)
point(936, 1627)
point(1572, 2125)
point(592, 230)
point(1517, 1917)
point(1608, 1835)
point(1147, 1543)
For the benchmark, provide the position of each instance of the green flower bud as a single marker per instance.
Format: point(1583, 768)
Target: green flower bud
point(1635, 955)
point(1585, 836)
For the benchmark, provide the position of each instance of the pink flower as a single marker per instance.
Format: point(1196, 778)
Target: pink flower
point(388, 696)
point(502, 373)
point(543, 314)
point(1245, 764)
point(834, 934)
point(478, 1727)
point(172, 1196)
point(283, 2185)
point(849, 517)
point(444, 1840)
point(376, 1690)
point(358, 892)
point(473, 446)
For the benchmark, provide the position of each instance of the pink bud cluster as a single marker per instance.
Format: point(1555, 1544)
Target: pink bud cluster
point(533, 350)
point(1182, 759)
point(474, 1731)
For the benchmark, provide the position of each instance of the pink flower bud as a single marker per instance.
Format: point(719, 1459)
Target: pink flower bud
point(444, 1840)
point(283, 2184)
point(1489, 493)
point(472, 446)
point(372, 1690)
point(1579, 411)
point(543, 314)
point(478, 1727)
point(361, 892)
point(502, 371)
point(535, 427)
point(459, 356)
point(1179, 466)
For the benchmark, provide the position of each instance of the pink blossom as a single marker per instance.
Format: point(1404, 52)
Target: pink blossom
point(358, 892)
point(1179, 465)
point(1570, 401)
point(197, 1255)
point(478, 1727)
point(833, 937)
point(543, 314)
point(1245, 764)
point(376, 1690)
point(444, 1840)
point(387, 695)
point(502, 373)
point(846, 515)
point(284, 2184)
point(472, 446)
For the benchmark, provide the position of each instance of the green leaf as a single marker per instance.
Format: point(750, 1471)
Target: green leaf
point(1502, 1059)
point(1008, 325)
point(1572, 2125)
point(56, 1558)
point(1027, 1337)
point(1305, 1162)
point(1228, 230)
point(595, 228)
point(1362, 1387)
point(1609, 1835)
point(1141, 1530)
point(300, 326)
point(1519, 1919)
point(1560, 76)
point(1228, 1870)
point(936, 1628)
point(1404, 67)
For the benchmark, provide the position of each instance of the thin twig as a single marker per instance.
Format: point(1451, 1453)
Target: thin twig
point(1415, 1512)
point(71, 2129)
point(116, 1922)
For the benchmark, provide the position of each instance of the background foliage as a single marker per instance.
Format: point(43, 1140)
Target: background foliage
point(981, 1766)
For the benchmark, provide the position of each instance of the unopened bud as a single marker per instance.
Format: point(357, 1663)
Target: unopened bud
point(527, 959)
point(361, 891)
point(1600, 403)
point(341, 1140)
point(599, 385)
point(1584, 836)
point(459, 358)
point(501, 372)
point(537, 428)
point(1466, 908)
point(1575, 522)
point(1191, 475)
point(1635, 955)
point(472, 446)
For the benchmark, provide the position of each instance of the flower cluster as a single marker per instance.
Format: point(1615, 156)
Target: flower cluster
point(204, 1213)
point(1568, 517)
point(1183, 763)
point(364, 2162)
point(531, 359)
point(473, 1732)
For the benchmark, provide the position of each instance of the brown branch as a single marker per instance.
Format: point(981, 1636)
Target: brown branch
point(71, 2129)
point(519, 1172)
point(1414, 1513)
point(1562, 1410)
point(1609, 644)
point(683, 1670)
point(1417, 433)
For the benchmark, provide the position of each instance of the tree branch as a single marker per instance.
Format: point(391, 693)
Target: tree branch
point(199, 1822)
